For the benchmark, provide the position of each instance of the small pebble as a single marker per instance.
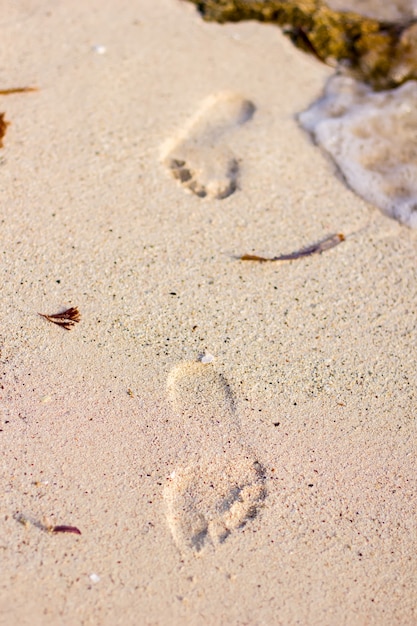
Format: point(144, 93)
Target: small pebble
point(95, 578)
point(98, 49)
point(207, 358)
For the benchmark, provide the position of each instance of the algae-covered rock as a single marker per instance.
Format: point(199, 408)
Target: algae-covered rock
point(384, 54)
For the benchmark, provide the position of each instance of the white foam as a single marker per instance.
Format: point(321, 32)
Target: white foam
point(372, 137)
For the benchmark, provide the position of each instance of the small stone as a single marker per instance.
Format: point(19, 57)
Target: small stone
point(95, 578)
point(99, 49)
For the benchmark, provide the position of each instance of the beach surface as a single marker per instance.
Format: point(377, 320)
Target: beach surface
point(235, 441)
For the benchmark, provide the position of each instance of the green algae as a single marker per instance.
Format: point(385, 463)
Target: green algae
point(382, 54)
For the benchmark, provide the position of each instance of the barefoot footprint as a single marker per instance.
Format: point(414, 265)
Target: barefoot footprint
point(197, 156)
point(223, 487)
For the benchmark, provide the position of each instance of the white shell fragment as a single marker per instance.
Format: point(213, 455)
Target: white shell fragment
point(207, 358)
point(372, 137)
point(95, 578)
point(99, 49)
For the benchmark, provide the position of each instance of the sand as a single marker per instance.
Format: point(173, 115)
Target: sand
point(273, 483)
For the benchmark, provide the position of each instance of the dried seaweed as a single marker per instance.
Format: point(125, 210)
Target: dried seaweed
point(8, 92)
point(67, 319)
point(3, 127)
point(315, 248)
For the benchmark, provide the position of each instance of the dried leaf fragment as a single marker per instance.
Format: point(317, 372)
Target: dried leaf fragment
point(67, 319)
point(315, 248)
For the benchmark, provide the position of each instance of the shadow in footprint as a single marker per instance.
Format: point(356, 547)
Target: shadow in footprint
point(224, 487)
point(198, 157)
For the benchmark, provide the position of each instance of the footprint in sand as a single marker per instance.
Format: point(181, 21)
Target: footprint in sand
point(197, 156)
point(223, 486)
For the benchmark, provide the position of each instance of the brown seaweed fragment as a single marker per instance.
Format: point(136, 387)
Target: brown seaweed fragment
point(380, 53)
point(3, 127)
point(315, 248)
point(7, 92)
point(66, 319)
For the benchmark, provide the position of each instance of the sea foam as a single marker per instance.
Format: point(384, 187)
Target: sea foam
point(372, 137)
